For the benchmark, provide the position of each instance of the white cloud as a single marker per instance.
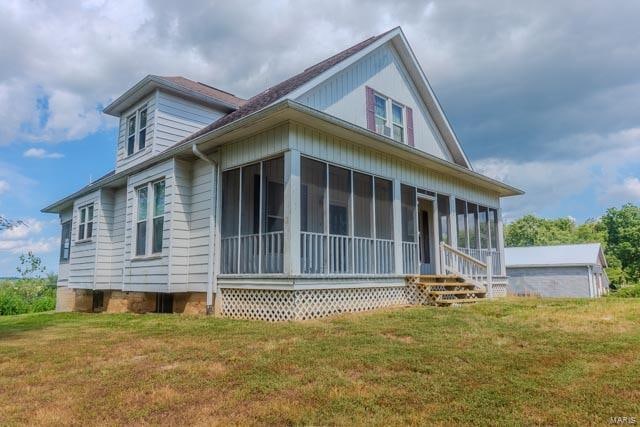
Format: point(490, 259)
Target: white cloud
point(41, 153)
point(4, 186)
point(37, 246)
point(549, 183)
point(27, 237)
point(626, 191)
point(29, 227)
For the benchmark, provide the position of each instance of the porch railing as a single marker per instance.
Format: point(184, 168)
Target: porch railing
point(337, 254)
point(313, 247)
point(454, 261)
point(482, 254)
point(244, 255)
point(385, 259)
point(410, 258)
point(273, 252)
point(363, 257)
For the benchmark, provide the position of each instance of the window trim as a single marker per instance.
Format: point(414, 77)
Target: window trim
point(62, 259)
point(83, 237)
point(137, 130)
point(148, 220)
point(388, 120)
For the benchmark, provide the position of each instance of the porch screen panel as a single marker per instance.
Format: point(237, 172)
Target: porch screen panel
point(230, 221)
point(409, 230)
point(384, 226)
point(461, 221)
point(443, 218)
point(483, 226)
point(493, 228)
point(408, 203)
point(384, 209)
point(250, 219)
point(363, 244)
point(362, 205)
point(273, 215)
point(472, 222)
point(339, 195)
point(313, 190)
point(339, 220)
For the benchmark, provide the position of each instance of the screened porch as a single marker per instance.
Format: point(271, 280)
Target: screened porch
point(340, 222)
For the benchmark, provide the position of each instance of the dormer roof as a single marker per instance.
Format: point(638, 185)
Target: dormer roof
point(181, 86)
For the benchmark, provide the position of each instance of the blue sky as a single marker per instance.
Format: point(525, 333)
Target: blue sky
point(544, 96)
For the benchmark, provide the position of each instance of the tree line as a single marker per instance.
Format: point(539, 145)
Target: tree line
point(618, 230)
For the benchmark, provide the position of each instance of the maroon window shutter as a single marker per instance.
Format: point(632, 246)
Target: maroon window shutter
point(410, 127)
point(371, 118)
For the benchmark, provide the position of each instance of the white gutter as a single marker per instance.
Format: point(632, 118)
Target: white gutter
point(212, 276)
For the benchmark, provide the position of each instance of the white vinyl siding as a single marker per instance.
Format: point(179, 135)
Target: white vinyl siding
point(82, 262)
point(148, 273)
point(123, 158)
point(314, 143)
point(177, 118)
point(343, 95)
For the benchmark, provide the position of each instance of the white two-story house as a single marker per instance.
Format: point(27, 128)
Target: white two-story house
point(335, 190)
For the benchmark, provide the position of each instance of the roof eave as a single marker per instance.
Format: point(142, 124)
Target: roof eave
point(504, 190)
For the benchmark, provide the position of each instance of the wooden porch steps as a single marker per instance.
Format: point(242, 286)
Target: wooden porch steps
point(448, 290)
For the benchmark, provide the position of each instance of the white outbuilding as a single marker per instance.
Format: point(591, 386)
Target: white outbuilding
point(557, 271)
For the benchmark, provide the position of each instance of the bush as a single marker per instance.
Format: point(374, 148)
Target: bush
point(26, 296)
point(632, 291)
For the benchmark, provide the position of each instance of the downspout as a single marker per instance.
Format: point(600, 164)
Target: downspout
point(212, 282)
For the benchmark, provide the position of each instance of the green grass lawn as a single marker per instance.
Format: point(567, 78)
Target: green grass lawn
point(516, 361)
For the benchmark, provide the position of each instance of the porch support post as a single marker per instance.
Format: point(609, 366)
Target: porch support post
point(397, 227)
point(503, 264)
point(435, 220)
point(292, 213)
point(453, 224)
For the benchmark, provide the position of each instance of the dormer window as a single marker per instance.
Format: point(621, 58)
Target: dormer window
point(389, 118)
point(137, 130)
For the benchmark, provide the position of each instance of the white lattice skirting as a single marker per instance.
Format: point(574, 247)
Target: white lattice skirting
point(279, 305)
point(275, 305)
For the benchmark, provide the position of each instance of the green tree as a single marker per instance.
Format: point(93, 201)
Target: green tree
point(623, 238)
point(30, 266)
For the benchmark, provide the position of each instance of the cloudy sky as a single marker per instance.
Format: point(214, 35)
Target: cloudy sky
point(544, 95)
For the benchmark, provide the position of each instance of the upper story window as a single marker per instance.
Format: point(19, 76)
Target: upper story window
point(389, 118)
point(150, 217)
point(397, 119)
point(65, 242)
point(85, 224)
point(137, 131)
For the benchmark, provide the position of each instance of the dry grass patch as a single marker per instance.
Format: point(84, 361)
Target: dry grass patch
point(518, 361)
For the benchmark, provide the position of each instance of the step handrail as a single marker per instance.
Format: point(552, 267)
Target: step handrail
point(463, 255)
point(474, 270)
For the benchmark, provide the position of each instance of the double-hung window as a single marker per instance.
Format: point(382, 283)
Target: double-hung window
point(397, 118)
point(150, 217)
point(85, 224)
point(389, 118)
point(65, 242)
point(131, 134)
point(380, 113)
point(137, 130)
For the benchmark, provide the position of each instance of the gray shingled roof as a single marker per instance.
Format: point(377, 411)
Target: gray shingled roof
point(205, 90)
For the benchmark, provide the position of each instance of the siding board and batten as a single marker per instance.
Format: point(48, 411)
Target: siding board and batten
point(344, 95)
